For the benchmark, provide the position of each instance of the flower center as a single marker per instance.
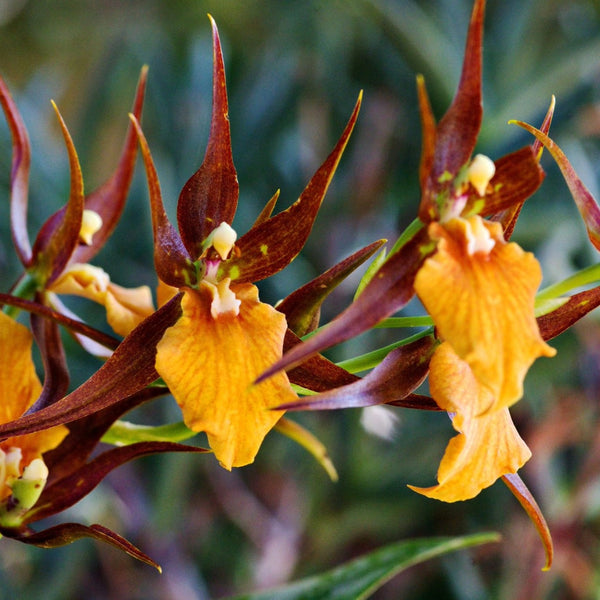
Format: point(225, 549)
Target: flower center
point(224, 300)
point(90, 224)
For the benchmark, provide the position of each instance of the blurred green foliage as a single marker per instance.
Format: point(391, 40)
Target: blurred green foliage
point(294, 71)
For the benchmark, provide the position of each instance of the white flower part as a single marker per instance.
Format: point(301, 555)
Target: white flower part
point(480, 172)
point(478, 237)
point(36, 470)
point(90, 224)
point(9, 465)
point(224, 301)
point(223, 239)
point(379, 421)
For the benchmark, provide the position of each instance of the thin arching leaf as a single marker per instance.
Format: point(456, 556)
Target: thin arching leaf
point(358, 579)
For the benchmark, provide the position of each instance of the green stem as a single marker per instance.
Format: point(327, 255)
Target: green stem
point(370, 360)
point(407, 235)
point(24, 288)
point(579, 279)
point(123, 433)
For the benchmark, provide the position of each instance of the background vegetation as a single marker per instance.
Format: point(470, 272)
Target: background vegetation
point(294, 71)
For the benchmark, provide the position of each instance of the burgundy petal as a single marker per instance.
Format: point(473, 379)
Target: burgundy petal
point(65, 492)
point(317, 373)
point(56, 372)
point(273, 244)
point(72, 324)
point(210, 195)
point(525, 497)
point(508, 217)
point(19, 176)
point(59, 236)
point(586, 203)
point(518, 176)
point(109, 199)
point(559, 320)
point(171, 260)
point(302, 307)
point(458, 129)
point(400, 372)
point(387, 292)
point(66, 533)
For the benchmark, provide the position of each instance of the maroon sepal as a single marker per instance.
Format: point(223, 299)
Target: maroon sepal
point(65, 492)
point(127, 371)
point(316, 373)
point(56, 372)
point(457, 131)
point(72, 324)
point(109, 199)
point(267, 211)
point(508, 217)
point(272, 244)
point(416, 401)
point(172, 262)
point(66, 533)
point(303, 306)
point(559, 320)
point(400, 372)
point(585, 201)
point(59, 236)
point(19, 176)
point(389, 290)
point(210, 195)
point(518, 175)
point(525, 497)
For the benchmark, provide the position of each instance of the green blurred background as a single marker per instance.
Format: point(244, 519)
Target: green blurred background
point(294, 71)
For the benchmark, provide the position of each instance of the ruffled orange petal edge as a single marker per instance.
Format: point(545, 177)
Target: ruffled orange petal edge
point(480, 292)
point(488, 445)
point(210, 364)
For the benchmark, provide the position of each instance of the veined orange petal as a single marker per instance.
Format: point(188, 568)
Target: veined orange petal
point(125, 307)
point(480, 292)
point(19, 389)
point(19, 383)
point(210, 363)
point(487, 447)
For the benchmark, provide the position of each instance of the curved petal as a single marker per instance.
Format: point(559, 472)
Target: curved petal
point(210, 195)
point(59, 236)
point(210, 365)
point(272, 244)
point(480, 292)
point(125, 308)
point(108, 200)
point(19, 176)
point(488, 446)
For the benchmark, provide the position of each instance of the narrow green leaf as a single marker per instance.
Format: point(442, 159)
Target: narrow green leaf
point(359, 578)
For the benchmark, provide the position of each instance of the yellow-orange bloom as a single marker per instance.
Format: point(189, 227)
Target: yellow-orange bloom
point(480, 291)
point(210, 358)
point(19, 389)
point(125, 307)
